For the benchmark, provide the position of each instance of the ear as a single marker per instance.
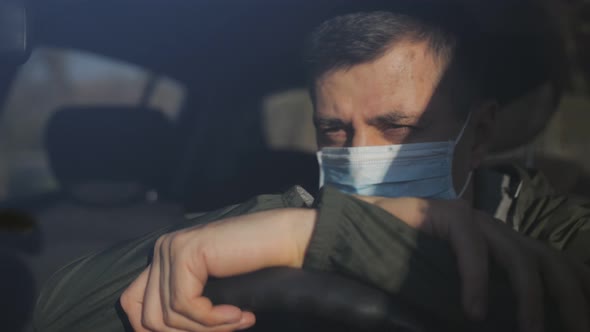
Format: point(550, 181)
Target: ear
point(484, 119)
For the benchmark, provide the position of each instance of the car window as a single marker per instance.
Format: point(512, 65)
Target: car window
point(54, 78)
point(288, 120)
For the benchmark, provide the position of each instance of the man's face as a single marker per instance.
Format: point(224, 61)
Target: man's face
point(393, 100)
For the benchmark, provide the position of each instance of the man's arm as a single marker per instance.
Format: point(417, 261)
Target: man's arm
point(422, 268)
point(84, 295)
point(167, 295)
point(417, 260)
point(364, 241)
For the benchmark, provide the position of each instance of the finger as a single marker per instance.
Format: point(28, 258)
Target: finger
point(175, 315)
point(528, 287)
point(565, 290)
point(186, 286)
point(152, 315)
point(169, 316)
point(582, 272)
point(132, 301)
point(171, 312)
point(248, 320)
point(523, 272)
point(469, 244)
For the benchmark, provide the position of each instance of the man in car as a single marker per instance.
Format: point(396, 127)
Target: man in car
point(404, 120)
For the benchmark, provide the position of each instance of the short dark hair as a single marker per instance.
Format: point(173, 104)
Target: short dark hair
point(352, 39)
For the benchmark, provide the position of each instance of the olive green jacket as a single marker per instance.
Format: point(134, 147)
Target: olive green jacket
point(352, 238)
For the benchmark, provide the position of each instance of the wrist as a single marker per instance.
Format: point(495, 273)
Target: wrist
point(302, 223)
point(242, 244)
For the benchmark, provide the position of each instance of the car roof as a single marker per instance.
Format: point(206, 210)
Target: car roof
point(225, 41)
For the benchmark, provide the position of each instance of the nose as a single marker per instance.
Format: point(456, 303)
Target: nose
point(358, 137)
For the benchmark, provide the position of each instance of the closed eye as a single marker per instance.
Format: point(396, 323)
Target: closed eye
point(397, 133)
point(329, 126)
point(394, 126)
point(393, 120)
point(329, 130)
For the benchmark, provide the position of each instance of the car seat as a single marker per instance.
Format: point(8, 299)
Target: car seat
point(111, 164)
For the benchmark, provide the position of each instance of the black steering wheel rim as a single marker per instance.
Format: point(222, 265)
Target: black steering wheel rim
point(286, 299)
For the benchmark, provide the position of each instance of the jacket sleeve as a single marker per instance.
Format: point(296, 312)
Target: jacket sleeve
point(555, 219)
point(84, 295)
point(369, 244)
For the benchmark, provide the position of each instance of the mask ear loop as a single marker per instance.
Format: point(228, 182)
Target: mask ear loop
point(470, 175)
point(463, 129)
point(466, 185)
point(321, 166)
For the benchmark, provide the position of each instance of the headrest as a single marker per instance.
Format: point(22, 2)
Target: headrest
point(14, 32)
point(111, 144)
point(528, 66)
point(520, 121)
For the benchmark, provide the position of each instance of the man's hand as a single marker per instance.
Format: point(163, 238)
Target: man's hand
point(167, 295)
point(533, 267)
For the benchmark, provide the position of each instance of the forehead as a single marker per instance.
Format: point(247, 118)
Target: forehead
point(405, 80)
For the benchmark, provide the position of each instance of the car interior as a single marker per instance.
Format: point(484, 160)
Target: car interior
point(121, 117)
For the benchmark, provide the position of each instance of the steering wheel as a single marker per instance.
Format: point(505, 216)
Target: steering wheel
point(285, 299)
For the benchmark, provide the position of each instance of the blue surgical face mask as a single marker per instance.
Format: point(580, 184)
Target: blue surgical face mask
point(402, 170)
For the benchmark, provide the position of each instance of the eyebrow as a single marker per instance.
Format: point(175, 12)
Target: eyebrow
point(327, 122)
point(391, 117)
point(394, 117)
